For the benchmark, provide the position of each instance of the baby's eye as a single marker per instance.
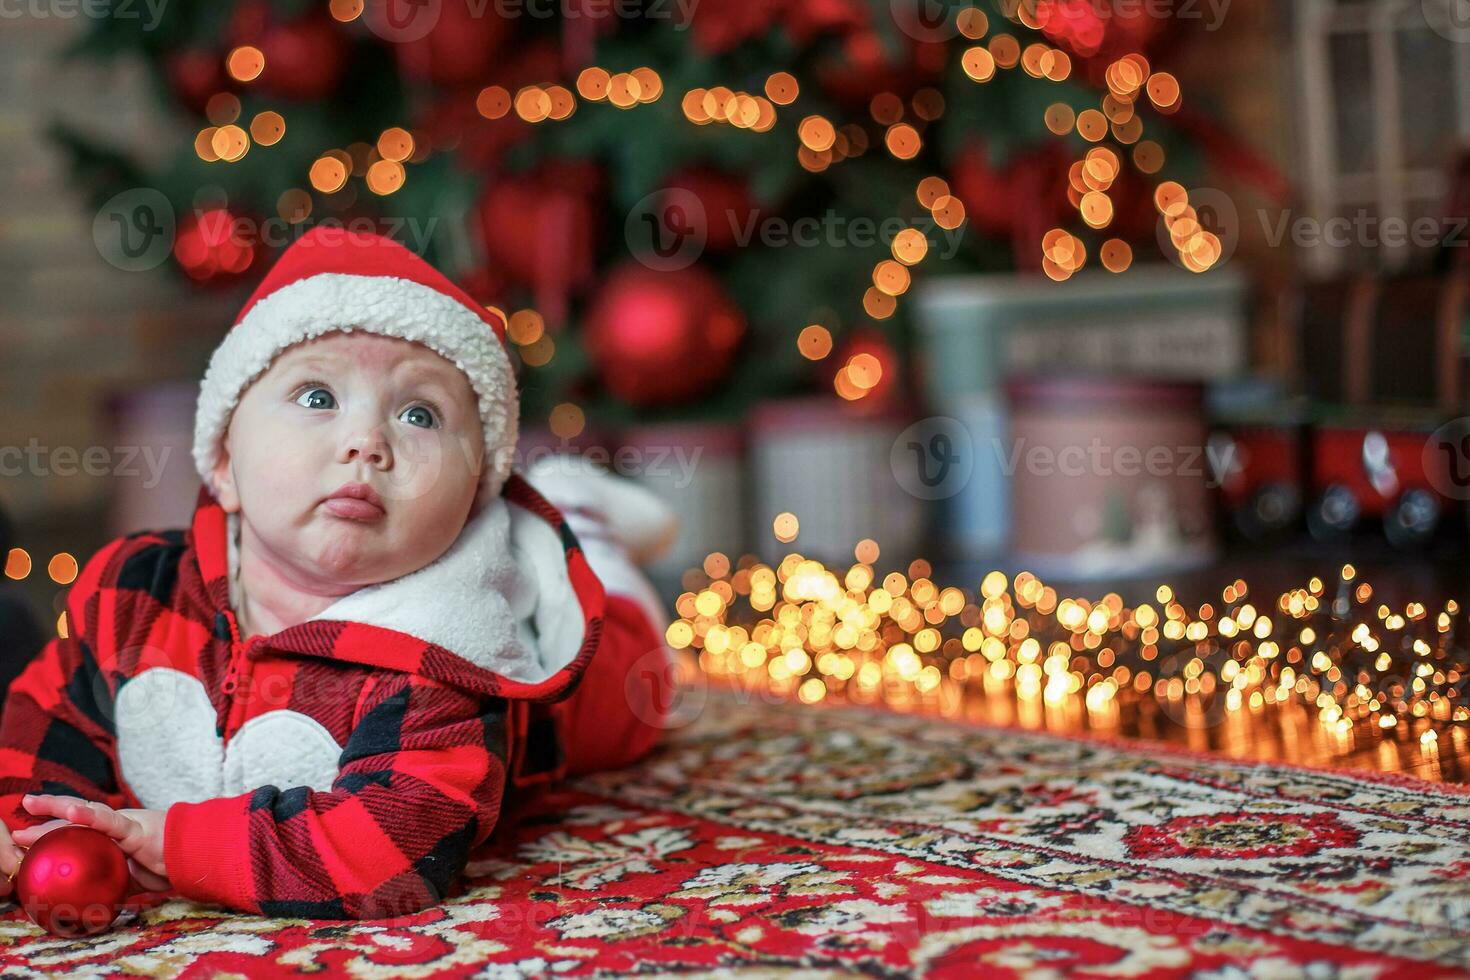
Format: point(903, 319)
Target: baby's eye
point(420, 416)
point(316, 398)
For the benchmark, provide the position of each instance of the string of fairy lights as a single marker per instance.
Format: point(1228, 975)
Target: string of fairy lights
point(803, 631)
point(1131, 83)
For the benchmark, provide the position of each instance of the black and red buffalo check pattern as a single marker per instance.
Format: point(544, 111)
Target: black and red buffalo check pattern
point(431, 742)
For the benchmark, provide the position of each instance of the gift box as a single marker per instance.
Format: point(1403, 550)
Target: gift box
point(831, 466)
point(1110, 477)
point(698, 469)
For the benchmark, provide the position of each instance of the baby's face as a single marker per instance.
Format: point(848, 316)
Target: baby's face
point(345, 409)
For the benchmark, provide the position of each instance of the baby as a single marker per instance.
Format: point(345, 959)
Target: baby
point(315, 700)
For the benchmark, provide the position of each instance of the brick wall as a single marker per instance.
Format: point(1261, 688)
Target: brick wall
point(74, 330)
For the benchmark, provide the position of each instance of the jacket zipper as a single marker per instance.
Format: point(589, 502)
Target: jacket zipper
point(239, 655)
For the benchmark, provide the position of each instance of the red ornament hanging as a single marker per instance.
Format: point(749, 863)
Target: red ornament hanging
point(304, 58)
point(73, 881)
point(725, 212)
point(807, 21)
point(720, 25)
point(662, 338)
point(194, 75)
point(248, 22)
point(213, 248)
point(539, 231)
point(464, 45)
point(1020, 201)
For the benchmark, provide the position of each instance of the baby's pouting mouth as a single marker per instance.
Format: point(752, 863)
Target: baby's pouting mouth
point(355, 502)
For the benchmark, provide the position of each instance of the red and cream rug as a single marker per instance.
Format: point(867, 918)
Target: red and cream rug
point(783, 839)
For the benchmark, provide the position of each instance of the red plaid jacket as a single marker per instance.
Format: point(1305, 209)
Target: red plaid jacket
point(334, 769)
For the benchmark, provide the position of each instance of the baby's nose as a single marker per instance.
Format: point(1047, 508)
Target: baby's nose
point(369, 446)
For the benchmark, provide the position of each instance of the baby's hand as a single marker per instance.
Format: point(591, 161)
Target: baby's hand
point(138, 832)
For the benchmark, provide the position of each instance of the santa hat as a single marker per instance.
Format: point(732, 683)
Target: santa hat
point(333, 279)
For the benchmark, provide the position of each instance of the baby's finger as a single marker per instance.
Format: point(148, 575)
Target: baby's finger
point(101, 817)
point(26, 836)
point(46, 805)
point(146, 880)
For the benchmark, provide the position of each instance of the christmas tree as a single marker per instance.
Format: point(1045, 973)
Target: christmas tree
point(681, 206)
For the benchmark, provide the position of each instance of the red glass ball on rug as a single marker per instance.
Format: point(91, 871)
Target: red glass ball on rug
point(73, 881)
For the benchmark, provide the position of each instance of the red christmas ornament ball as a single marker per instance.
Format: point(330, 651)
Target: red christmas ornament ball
point(304, 58)
point(213, 248)
point(73, 881)
point(196, 74)
point(725, 211)
point(660, 338)
point(464, 45)
point(539, 228)
point(1031, 188)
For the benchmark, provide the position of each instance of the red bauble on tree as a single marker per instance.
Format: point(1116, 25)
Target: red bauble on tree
point(810, 19)
point(213, 248)
point(195, 74)
point(661, 338)
point(1019, 201)
point(73, 881)
point(304, 58)
point(539, 231)
point(725, 213)
point(720, 25)
point(248, 22)
point(463, 46)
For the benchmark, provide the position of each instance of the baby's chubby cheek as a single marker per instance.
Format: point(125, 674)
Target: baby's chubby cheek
point(425, 467)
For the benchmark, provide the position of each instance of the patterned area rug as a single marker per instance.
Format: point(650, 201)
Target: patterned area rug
point(774, 839)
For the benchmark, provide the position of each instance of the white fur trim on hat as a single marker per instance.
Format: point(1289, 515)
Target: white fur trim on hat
point(384, 305)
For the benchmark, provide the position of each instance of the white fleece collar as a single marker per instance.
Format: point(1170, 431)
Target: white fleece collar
point(500, 597)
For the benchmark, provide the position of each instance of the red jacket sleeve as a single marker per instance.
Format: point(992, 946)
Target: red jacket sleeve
point(420, 784)
point(56, 731)
point(625, 699)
